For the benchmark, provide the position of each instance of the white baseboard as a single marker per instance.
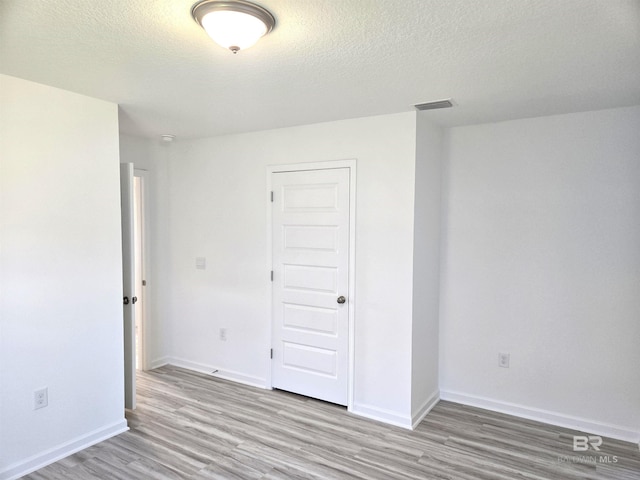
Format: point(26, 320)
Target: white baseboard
point(158, 362)
point(218, 372)
point(545, 416)
point(429, 403)
point(52, 455)
point(381, 415)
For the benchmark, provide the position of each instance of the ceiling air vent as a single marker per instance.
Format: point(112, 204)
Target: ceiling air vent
point(435, 105)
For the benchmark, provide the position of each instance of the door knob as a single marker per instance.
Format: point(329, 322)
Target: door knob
point(341, 299)
point(126, 300)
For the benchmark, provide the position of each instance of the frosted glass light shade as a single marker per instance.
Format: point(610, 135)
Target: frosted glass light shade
point(233, 29)
point(235, 24)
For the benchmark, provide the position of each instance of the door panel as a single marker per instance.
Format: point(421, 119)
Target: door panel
point(310, 359)
point(128, 283)
point(311, 319)
point(310, 277)
point(310, 237)
point(309, 198)
point(311, 270)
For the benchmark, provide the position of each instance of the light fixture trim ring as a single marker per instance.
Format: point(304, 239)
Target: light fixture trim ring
point(201, 9)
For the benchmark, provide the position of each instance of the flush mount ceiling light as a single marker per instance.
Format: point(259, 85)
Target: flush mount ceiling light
point(235, 25)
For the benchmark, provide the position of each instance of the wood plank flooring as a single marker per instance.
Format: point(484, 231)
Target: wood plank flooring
point(193, 426)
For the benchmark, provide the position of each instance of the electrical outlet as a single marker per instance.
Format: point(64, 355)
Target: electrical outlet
point(40, 398)
point(503, 360)
point(223, 334)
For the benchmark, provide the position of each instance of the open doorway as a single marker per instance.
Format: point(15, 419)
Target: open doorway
point(139, 236)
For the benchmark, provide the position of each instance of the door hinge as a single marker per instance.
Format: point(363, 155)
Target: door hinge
point(271, 353)
point(144, 283)
point(272, 275)
point(271, 196)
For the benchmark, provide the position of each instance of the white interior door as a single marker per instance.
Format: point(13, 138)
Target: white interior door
point(310, 228)
point(128, 283)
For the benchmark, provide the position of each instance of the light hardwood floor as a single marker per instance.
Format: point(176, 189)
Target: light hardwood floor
point(193, 426)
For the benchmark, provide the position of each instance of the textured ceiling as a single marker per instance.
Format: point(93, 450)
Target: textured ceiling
point(329, 60)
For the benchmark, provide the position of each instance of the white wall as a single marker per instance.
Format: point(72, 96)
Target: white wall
point(426, 267)
point(542, 260)
point(61, 279)
point(152, 156)
point(218, 211)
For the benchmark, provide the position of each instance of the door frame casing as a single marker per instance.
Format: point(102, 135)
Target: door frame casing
point(144, 222)
point(300, 167)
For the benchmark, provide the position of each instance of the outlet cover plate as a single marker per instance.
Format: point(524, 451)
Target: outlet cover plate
point(40, 398)
point(503, 360)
